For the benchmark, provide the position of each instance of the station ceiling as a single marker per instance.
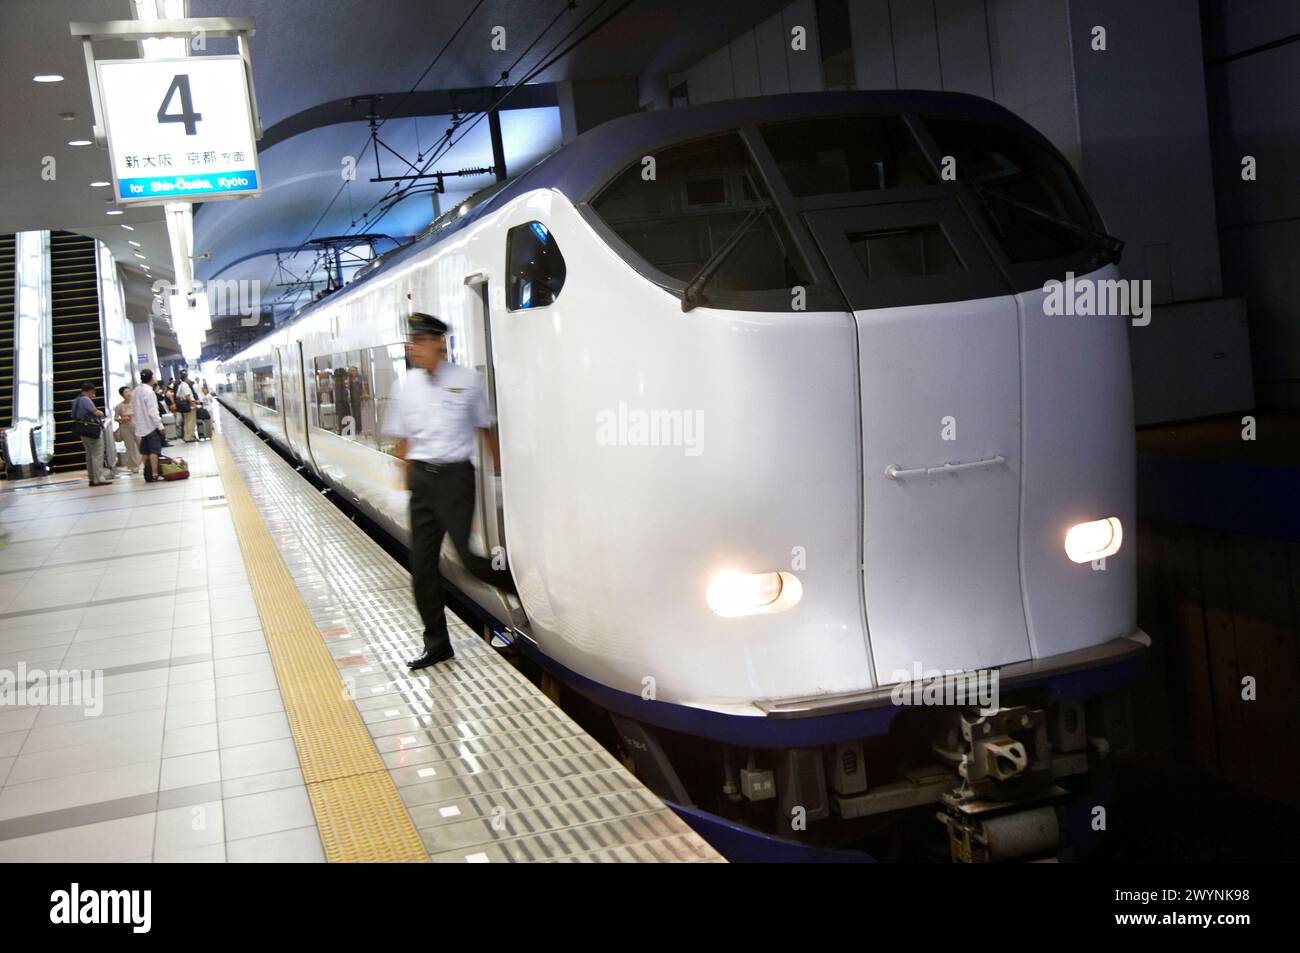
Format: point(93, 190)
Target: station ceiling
point(309, 57)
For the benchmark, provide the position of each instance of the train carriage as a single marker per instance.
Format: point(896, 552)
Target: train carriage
point(784, 424)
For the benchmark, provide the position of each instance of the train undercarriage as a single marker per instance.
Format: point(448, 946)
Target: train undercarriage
point(1027, 781)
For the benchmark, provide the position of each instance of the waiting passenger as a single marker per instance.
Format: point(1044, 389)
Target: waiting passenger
point(435, 418)
point(123, 414)
point(163, 409)
point(88, 422)
point(148, 423)
point(187, 405)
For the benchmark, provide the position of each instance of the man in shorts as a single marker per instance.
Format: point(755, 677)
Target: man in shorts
point(148, 425)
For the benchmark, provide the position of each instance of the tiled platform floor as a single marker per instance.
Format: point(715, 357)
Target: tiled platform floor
point(488, 767)
point(191, 757)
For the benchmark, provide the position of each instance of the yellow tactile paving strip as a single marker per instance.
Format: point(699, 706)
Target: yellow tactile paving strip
point(358, 810)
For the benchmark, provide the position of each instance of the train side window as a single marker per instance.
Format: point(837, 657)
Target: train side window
point(360, 397)
point(264, 390)
point(535, 268)
point(388, 374)
point(344, 396)
point(321, 368)
point(700, 194)
point(835, 154)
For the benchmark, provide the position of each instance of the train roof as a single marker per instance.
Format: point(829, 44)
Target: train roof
point(597, 154)
point(577, 168)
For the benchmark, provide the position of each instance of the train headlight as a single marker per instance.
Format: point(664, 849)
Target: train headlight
point(1094, 540)
point(739, 593)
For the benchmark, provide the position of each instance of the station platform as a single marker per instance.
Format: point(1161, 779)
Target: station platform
point(255, 701)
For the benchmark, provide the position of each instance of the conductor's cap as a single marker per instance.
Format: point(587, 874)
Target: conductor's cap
point(421, 323)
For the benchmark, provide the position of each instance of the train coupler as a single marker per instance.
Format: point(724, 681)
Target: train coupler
point(1005, 806)
point(982, 830)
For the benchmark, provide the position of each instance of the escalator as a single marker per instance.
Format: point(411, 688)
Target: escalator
point(78, 351)
point(8, 273)
point(8, 278)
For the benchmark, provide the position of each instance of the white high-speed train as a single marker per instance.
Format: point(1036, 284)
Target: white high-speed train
point(783, 424)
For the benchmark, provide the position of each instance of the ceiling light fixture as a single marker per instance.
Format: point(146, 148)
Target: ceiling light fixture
point(47, 78)
point(128, 228)
point(132, 241)
point(100, 185)
point(114, 211)
point(79, 142)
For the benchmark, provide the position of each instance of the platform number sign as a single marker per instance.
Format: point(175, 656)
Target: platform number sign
point(179, 130)
point(180, 89)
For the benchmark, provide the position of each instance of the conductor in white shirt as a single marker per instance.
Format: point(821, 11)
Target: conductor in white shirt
point(436, 418)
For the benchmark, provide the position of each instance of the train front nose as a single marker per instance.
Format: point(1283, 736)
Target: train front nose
point(940, 404)
point(941, 470)
point(990, 430)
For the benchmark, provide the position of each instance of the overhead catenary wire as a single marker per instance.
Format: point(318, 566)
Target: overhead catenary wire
point(397, 194)
point(446, 46)
point(397, 191)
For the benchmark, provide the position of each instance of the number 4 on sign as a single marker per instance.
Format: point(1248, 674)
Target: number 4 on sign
point(180, 86)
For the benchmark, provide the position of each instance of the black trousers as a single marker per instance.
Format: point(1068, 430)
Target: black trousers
point(442, 503)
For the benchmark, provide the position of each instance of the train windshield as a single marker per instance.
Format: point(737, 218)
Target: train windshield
point(1027, 195)
point(837, 154)
point(699, 216)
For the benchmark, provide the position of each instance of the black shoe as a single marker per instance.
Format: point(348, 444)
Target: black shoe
point(430, 658)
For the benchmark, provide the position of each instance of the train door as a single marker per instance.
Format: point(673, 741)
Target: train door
point(302, 393)
point(282, 392)
point(939, 386)
point(489, 517)
point(246, 375)
point(290, 398)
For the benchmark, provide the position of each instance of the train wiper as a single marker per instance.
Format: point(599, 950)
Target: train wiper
point(1111, 246)
point(691, 296)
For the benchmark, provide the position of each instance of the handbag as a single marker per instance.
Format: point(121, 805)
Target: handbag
point(203, 413)
point(87, 427)
point(173, 468)
point(187, 403)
